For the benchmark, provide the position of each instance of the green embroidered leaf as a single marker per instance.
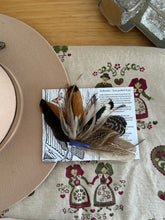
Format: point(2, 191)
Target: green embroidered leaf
point(161, 195)
point(64, 49)
point(122, 71)
point(135, 67)
point(110, 69)
point(102, 70)
point(128, 67)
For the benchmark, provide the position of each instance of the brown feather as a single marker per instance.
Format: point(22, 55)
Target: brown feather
point(56, 109)
point(99, 137)
point(73, 95)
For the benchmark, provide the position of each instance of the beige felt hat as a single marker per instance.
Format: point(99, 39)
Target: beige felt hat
point(28, 64)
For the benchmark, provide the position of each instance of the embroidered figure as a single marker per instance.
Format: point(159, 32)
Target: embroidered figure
point(79, 197)
point(139, 90)
point(104, 195)
point(105, 77)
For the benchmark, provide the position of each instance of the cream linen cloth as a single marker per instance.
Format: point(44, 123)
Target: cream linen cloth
point(110, 189)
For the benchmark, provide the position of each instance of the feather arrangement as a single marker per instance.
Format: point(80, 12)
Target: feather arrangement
point(93, 126)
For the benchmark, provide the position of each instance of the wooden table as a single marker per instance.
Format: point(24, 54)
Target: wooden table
point(71, 22)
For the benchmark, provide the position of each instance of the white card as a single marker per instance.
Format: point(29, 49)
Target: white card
point(54, 150)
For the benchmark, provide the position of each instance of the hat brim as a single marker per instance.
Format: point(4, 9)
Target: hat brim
point(34, 64)
point(105, 77)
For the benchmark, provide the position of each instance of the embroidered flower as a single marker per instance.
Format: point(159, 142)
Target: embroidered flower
point(78, 195)
point(117, 66)
point(104, 217)
point(82, 217)
point(122, 181)
point(99, 193)
point(77, 182)
point(116, 188)
point(58, 185)
point(93, 218)
point(108, 196)
point(142, 69)
point(64, 210)
point(104, 187)
point(149, 126)
point(62, 60)
point(67, 191)
point(94, 73)
point(121, 207)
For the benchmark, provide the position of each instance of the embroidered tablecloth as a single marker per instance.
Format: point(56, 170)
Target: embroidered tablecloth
point(110, 189)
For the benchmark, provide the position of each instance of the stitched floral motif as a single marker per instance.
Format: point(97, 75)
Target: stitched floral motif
point(2, 213)
point(143, 125)
point(158, 158)
point(108, 72)
point(102, 204)
point(132, 66)
point(62, 52)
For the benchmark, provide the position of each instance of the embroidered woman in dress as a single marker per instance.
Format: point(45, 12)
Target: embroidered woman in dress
point(79, 197)
point(104, 195)
point(139, 90)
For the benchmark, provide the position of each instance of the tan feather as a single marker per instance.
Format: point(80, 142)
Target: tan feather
point(77, 103)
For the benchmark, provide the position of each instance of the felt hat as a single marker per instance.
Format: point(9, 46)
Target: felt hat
point(106, 75)
point(31, 64)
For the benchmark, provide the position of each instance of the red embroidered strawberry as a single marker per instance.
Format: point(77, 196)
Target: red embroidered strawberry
point(118, 81)
point(92, 210)
point(155, 122)
point(161, 195)
point(111, 214)
point(69, 54)
point(121, 192)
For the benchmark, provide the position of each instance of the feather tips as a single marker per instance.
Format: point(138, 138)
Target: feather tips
point(93, 126)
